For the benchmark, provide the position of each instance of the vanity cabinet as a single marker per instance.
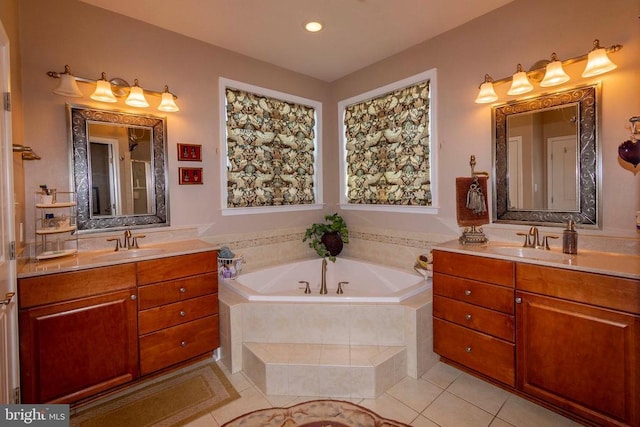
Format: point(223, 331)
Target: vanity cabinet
point(569, 339)
point(178, 309)
point(578, 342)
point(89, 331)
point(78, 333)
point(473, 309)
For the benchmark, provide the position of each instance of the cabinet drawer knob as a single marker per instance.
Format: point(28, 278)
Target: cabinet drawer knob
point(183, 343)
point(518, 300)
point(183, 313)
point(467, 292)
point(468, 349)
point(467, 316)
point(133, 297)
point(183, 290)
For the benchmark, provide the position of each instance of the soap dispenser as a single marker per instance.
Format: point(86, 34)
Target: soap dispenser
point(570, 239)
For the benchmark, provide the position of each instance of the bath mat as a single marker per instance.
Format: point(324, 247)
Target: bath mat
point(170, 402)
point(315, 413)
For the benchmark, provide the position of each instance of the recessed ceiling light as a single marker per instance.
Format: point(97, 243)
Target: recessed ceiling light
point(313, 26)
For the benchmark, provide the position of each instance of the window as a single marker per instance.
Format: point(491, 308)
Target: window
point(272, 160)
point(387, 138)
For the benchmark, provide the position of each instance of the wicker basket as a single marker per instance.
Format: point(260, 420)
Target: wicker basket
point(229, 268)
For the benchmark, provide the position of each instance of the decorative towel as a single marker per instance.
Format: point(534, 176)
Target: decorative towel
point(471, 201)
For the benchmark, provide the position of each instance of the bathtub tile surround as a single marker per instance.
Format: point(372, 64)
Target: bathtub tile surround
point(325, 370)
point(372, 345)
point(390, 247)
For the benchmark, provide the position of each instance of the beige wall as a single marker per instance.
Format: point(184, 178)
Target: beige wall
point(92, 40)
point(522, 31)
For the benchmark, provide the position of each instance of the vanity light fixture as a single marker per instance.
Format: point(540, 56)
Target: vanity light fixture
point(597, 59)
point(520, 82)
point(554, 74)
point(109, 90)
point(487, 92)
point(103, 91)
point(167, 103)
point(67, 85)
point(136, 96)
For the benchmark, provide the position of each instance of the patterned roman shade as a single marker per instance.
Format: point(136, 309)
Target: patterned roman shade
point(270, 151)
point(387, 148)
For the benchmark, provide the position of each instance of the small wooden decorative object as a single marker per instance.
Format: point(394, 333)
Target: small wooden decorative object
point(190, 176)
point(189, 152)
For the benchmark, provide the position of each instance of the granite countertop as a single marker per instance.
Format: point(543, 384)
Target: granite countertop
point(101, 258)
point(610, 263)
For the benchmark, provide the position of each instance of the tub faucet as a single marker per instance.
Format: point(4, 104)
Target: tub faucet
point(323, 279)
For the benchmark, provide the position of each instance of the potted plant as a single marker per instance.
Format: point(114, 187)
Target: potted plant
point(327, 238)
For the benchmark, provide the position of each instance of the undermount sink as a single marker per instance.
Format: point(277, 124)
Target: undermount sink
point(128, 254)
point(531, 253)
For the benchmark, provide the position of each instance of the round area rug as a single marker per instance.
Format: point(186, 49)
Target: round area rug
point(315, 413)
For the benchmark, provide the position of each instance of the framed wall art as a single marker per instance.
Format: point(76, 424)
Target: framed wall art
point(189, 153)
point(190, 176)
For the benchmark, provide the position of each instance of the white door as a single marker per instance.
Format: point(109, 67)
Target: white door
point(562, 173)
point(9, 378)
point(514, 172)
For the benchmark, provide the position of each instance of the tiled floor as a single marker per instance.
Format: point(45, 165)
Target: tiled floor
point(444, 396)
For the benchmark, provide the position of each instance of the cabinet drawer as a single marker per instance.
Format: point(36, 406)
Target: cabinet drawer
point(177, 290)
point(58, 287)
point(173, 345)
point(485, 295)
point(160, 270)
point(596, 289)
point(471, 316)
point(480, 352)
point(491, 270)
point(174, 314)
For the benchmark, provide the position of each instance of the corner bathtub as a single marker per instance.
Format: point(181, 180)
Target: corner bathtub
point(368, 283)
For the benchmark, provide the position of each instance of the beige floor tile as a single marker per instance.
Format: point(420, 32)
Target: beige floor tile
point(388, 407)
point(480, 393)
point(281, 401)
point(423, 422)
point(449, 410)
point(497, 422)
point(442, 375)
point(204, 421)
point(250, 400)
point(522, 413)
point(417, 394)
point(237, 380)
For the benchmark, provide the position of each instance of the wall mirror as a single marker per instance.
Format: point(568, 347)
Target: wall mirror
point(546, 162)
point(119, 164)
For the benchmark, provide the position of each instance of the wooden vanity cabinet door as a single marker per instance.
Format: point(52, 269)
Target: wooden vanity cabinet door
point(73, 350)
point(78, 333)
point(579, 357)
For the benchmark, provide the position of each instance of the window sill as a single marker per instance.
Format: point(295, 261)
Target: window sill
point(428, 210)
point(270, 209)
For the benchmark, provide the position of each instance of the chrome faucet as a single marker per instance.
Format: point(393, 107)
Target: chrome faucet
point(323, 279)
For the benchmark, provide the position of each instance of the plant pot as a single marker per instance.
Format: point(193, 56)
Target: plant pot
point(333, 242)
